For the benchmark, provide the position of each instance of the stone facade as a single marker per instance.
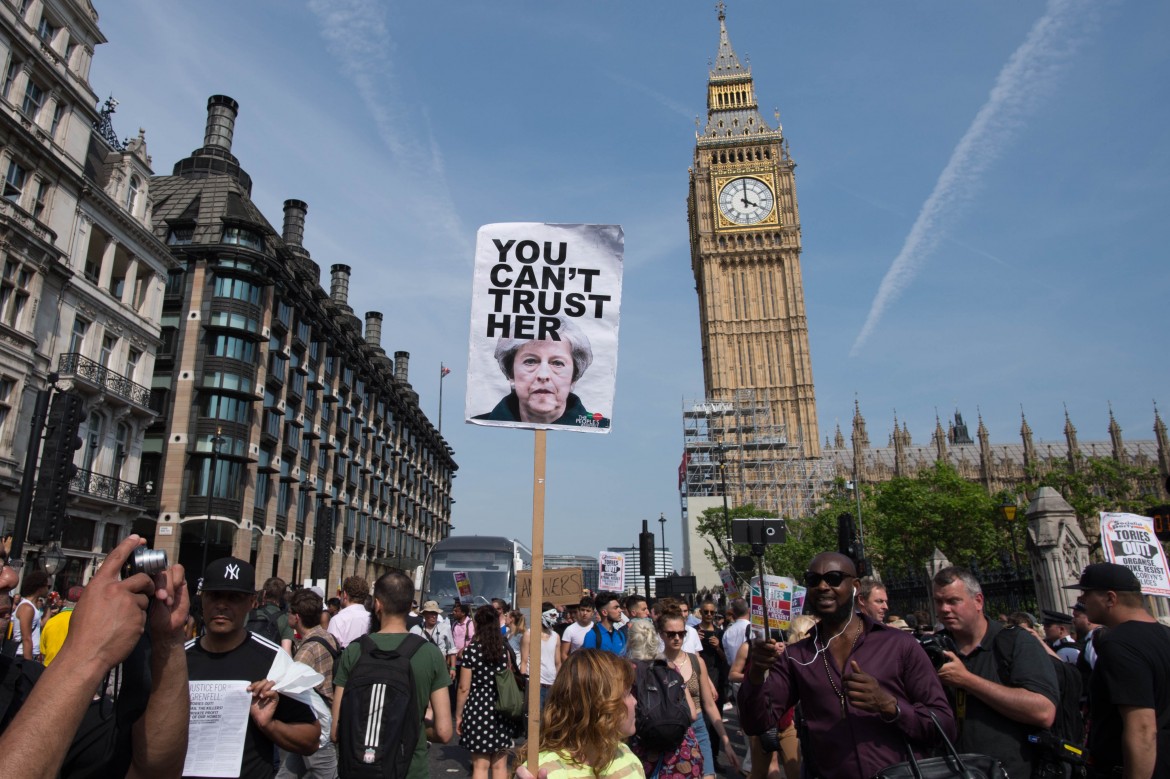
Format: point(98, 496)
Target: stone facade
point(81, 274)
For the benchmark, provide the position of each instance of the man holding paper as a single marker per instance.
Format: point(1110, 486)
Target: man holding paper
point(228, 669)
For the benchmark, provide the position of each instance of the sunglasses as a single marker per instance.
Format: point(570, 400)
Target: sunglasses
point(833, 578)
point(679, 634)
point(706, 613)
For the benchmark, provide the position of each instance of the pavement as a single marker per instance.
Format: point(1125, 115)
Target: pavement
point(453, 760)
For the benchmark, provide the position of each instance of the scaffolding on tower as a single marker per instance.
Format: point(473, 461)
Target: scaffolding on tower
point(765, 465)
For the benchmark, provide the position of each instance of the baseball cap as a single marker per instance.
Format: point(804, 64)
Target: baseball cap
point(229, 574)
point(431, 607)
point(1106, 576)
point(1078, 606)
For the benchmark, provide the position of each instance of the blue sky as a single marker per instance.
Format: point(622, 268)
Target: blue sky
point(1036, 275)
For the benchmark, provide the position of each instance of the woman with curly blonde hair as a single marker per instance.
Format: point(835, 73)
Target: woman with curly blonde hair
point(588, 714)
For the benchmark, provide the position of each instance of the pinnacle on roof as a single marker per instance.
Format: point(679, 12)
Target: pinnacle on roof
point(726, 63)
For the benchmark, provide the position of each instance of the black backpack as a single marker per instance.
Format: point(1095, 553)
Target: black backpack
point(1068, 729)
point(378, 726)
point(263, 623)
point(662, 715)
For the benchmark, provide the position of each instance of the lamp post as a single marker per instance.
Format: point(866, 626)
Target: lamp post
point(661, 561)
point(1007, 510)
point(53, 559)
point(216, 442)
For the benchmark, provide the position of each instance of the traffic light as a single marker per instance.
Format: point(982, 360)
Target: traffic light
point(56, 468)
point(646, 551)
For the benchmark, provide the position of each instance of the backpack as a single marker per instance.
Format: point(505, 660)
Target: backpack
point(1063, 742)
point(333, 651)
point(262, 622)
point(662, 715)
point(378, 726)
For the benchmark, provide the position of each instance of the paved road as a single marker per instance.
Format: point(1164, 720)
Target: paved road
point(455, 761)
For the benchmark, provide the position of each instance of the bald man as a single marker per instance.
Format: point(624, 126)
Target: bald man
point(865, 688)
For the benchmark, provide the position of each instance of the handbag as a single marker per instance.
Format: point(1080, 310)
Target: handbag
point(951, 764)
point(509, 696)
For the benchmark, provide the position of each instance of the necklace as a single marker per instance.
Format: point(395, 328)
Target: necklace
point(829, 673)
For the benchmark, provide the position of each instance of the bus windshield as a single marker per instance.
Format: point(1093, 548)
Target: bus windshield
point(490, 574)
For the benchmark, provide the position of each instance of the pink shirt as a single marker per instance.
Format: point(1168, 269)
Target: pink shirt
point(462, 632)
point(350, 624)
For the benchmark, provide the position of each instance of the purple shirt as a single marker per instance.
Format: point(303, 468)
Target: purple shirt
point(858, 745)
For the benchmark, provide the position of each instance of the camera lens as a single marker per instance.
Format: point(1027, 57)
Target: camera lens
point(147, 561)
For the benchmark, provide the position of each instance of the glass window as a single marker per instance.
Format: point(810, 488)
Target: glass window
point(34, 98)
point(227, 408)
point(14, 181)
point(232, 347)
point(109, 344)
point(132, 194)
point(46, 30)
point(77, 338)
point(228, 381)
point(237, 321)
point(238, 289)
point(41, 198)
point(180, 236)
point(228, 475)
point(10, 77)
point(58, 113)
point(132, 359)
point(242, 236)
point(263, 491)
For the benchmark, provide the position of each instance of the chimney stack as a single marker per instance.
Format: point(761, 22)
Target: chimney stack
point(402, 367)
point(374, 328)
point(294, 222)
point(339, 285)
point(221, 122)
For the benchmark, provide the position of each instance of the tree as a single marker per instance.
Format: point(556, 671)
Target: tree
point(1097, 484)
point(937, 508)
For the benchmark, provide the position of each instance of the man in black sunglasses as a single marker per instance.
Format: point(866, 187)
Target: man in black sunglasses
point(865, 688)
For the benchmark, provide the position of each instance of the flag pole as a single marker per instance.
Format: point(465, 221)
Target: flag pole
point(442, 375)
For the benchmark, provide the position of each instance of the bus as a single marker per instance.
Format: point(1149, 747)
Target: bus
point(490, 562)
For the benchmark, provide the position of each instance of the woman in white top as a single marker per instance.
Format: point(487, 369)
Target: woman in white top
point(550, 656)
point(26, 617)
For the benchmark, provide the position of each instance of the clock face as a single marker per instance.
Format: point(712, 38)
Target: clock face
point(746, 200)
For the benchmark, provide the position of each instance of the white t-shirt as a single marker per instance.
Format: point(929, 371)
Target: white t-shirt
point(575, 635)
point(548, 661)
point(734, 637)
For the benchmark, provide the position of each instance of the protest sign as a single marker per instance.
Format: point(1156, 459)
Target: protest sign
point(1129, 540)
point(728, 583)
point(218, 723)
point(544, 326)
point(783, 595)
point(463, 585)
point(611, 572)
point(562, 586)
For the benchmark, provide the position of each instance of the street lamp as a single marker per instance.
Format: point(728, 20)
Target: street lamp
point(1007, 510)
point(216, 442)
point(53, 559)
point(662, 535)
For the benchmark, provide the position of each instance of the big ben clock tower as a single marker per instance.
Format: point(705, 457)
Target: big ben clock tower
point(745, 254)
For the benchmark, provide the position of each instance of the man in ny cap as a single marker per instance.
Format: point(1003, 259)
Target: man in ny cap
point(1057, 629)
point(1129, 691)
point(228, 651)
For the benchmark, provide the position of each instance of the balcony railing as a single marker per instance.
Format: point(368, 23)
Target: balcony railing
point(106, 488)
point(74, 364)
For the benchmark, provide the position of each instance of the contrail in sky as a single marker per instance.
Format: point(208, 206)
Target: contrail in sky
point(1027, 76)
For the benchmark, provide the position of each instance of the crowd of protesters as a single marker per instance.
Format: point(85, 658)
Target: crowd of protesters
point(119, 669)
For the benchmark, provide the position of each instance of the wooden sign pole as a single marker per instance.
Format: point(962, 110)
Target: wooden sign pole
point(536, 592)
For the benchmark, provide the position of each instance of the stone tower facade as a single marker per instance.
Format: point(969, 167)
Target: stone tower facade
point(745, 254)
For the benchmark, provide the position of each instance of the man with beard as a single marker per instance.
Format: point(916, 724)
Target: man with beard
point(865, 688)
